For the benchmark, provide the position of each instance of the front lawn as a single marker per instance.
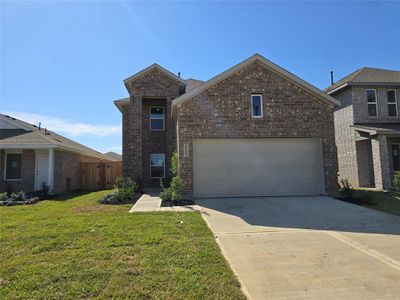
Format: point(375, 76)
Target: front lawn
point(386, 202)
point(77, 248)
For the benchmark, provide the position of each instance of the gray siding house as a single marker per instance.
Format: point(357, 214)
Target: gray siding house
point(367, 127)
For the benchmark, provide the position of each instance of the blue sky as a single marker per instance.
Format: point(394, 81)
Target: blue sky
point(62, 63)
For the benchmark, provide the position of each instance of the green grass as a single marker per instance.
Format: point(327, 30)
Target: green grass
point(386, 202)
point(76, 248)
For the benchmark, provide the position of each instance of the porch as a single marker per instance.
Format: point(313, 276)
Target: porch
point(378, 154)
point(26, 169)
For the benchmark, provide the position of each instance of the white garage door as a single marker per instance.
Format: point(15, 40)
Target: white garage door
point(257, 167)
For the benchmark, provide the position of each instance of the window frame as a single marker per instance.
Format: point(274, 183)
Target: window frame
point(392, 103)
point(163, 154)
point(261, 105)
point(6, 153)
point(163, 118)
point(372, 103)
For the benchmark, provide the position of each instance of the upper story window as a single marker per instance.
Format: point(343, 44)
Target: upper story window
point(157, 118)
point(372, 103)
point(392, 103)
point(13, 166)
point(256, 106)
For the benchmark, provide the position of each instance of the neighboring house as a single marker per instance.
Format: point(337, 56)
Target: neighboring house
point(367, 126)
point(253, 130)
point(114, 156)
point(30, 155)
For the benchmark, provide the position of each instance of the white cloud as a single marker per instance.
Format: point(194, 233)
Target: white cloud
point(61, 125)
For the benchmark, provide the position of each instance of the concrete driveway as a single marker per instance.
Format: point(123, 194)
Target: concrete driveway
point(307, 247)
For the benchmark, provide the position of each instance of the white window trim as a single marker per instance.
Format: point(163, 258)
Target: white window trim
point(158, 119)
point(163, 154)
point(392, 103)
point(370, 103)
point(261, 104)
point(5, 163)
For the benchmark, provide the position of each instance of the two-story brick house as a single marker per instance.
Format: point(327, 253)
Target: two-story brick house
point(253, 130)
point(367, 127)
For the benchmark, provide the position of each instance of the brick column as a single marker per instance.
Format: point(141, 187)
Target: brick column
point(132, 139)
point(380, 156)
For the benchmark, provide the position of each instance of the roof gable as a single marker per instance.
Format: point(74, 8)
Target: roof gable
point(148, 70)
point(266, 63)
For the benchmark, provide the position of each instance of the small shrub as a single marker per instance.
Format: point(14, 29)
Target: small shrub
point(165, 195)
point(126, 190)
point(126, 187)
point(3, 196)
point(173, 192)
point(19, 196)
point(346, 190)
point(114, 199)
point(396, 181)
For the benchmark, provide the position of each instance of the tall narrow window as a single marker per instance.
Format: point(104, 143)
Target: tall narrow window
point(371, 102)
point(13, 166)
point(396, 157)
point(256, 106)
point(157, 165)
point(392, 103)
point(157, 118)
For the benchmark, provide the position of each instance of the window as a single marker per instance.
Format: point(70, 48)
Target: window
point(396, 157)
point(157, 165)
point(392, 103)
point(256, 106)
point(157, 118)
point(13, 166)
point(371, 102)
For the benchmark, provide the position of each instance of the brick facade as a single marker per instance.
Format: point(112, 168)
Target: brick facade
point(27, 181)
point(67, 165)
point(360, 105)
point(365, 163)
point(223, 111)
point(153, 88)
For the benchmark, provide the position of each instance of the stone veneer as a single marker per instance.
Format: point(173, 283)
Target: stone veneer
point(224, 111)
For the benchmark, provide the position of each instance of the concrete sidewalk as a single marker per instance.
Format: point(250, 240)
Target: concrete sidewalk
point(151, 202)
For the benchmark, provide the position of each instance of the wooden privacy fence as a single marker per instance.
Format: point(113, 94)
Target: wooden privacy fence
point(100, 175)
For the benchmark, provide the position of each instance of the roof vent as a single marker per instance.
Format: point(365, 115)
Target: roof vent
point(331, 77)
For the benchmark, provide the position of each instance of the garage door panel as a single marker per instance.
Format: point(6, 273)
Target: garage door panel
point(257, 167)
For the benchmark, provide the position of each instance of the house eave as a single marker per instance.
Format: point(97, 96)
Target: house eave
point(28, 146)
point(120, 103)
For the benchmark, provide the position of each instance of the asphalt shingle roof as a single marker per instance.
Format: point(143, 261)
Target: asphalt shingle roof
point(368, 75)
point(34, 135)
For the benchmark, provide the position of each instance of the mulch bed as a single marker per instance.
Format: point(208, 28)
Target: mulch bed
point(179, 203)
